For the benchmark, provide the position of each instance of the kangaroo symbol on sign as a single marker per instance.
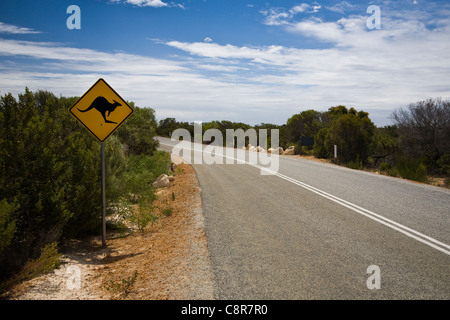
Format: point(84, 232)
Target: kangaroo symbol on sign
point(102, 105)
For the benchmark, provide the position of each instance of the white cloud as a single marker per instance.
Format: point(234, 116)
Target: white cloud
point(327, 31)
point(275, 18)
point(281, 16)
point(144, 3)
point(219, 67)
point(12, 29)
point(340, 7)
point(315, 9)
point(268, 55)
point(150, 3)
point(55, 54)
point(299, 8)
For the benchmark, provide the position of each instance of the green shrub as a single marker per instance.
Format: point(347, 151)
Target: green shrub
point(393, 172)
point(47, 262)
point(138, 132)
point(352, 133)
point(142, 217)
point(118, 228)
point(444, 164)
point(7, 224)
point(307, 150)
point(384, 167)
point(123, 286)
point(355, 164)
point(135, 192)
point(167, 211)
point(179, 170)
point(321, 142)
point(412, 169)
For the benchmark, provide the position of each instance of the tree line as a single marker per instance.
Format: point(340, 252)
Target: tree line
point(415, 145)
point(50, 178)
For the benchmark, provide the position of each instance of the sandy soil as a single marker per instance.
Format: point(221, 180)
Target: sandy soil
point(170, 260)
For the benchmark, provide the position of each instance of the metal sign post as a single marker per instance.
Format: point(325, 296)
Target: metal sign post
point(103, 195)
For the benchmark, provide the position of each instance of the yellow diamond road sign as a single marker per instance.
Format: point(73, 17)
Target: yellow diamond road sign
point(101, 110)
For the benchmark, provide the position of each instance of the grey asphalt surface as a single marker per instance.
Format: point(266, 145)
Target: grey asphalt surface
point(272, 239)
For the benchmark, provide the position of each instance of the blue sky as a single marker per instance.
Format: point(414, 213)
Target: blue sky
point(239, 60)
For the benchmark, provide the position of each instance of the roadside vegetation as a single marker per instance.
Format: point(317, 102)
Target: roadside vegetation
point(50, 180)
point(415, 146)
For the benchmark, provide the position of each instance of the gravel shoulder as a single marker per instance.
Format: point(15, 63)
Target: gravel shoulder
point(170, 260)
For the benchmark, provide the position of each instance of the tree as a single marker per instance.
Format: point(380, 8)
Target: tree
point(384, 148)
point(307, 124)
point(424, 129)
point(321, 144)
point(139, 131)
point(282, 139)
point(166, 127)
point(350, 130)
point(353, 136)
point(336, 112)
point(116, 165)
point(7, 225)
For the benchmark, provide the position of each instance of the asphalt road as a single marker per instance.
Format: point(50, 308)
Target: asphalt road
point(312, 230)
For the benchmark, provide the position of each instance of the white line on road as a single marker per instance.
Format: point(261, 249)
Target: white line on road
point(372, 215)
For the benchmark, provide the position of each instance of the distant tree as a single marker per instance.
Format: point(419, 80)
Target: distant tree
point(138, 132)
point(223, 126)
point(307, 124)
point(336, 112)
point(385, 148)
point(212, 125)
point(424, 130)
point(166, 127)
point(282, 138)
point(350, 130)
point(353, 137)
point(321, 144)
